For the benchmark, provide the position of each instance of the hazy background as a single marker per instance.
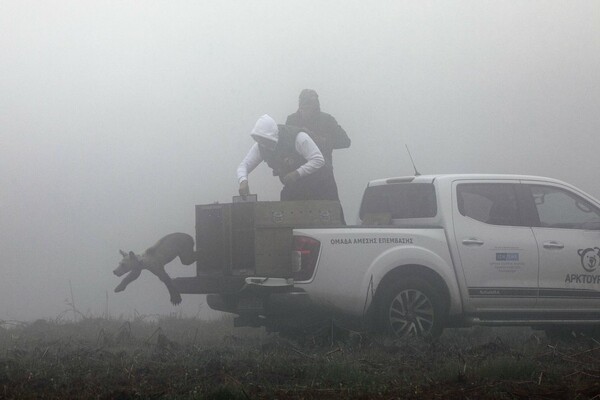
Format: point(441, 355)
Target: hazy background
point(117, 117)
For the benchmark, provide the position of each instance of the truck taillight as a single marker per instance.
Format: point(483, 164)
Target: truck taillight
point(304, 257)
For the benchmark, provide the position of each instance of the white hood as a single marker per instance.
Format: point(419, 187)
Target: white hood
point(265, 127)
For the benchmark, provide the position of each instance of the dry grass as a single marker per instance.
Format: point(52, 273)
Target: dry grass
point(172, 357)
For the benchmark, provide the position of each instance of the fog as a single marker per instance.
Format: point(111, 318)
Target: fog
point(117, 118)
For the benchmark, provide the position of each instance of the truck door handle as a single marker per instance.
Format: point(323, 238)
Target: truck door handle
point(472, 241)
point(553, 245)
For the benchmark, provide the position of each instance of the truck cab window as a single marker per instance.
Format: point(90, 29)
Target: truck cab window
point(401, 200)
point(491, 203)
point(558, 208)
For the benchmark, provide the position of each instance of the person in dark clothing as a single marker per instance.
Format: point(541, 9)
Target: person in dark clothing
point(294, 158)
point(321, 127)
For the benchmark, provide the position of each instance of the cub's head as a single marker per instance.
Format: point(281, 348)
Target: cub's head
point(590, 258)
point(129, 262)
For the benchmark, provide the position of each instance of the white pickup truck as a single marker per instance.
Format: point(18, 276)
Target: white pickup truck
point(443, 251)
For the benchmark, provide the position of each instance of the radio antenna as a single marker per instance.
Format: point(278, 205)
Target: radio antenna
point(412, 161)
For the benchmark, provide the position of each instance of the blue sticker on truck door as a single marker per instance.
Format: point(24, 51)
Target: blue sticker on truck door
point(507, 261)
point(507, 256)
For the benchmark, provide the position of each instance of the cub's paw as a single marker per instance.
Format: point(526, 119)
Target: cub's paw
point(176, 299)
point(119, 289)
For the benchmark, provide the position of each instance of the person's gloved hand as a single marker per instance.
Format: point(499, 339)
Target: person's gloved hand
point(291, 177)
point(244, 189)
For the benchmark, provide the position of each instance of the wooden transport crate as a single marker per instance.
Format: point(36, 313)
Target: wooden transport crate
point(255, 238)
point(296, 214)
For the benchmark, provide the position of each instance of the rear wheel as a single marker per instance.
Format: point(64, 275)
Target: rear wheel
point(411, 307)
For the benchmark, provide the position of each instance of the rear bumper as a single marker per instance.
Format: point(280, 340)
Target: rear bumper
point(205, 284)
point(265, 304)
point(248, 296)
point(227, 284)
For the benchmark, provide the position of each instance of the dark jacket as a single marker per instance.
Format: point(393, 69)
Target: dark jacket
point(319, 185)
point(284, 159)
point(324, 130)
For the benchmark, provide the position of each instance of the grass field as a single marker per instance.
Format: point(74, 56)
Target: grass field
point(184, 358)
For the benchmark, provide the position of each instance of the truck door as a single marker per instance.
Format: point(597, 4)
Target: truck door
point(497, 249)
point(566, 230)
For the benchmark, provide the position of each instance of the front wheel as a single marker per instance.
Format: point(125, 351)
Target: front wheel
point(411, 307)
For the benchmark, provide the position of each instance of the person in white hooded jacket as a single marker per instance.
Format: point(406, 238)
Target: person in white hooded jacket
point(294, 158)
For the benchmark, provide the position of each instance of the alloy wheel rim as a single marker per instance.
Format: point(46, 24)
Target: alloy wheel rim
point(411, 313)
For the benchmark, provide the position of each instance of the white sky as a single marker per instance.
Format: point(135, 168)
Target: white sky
point(117, 117)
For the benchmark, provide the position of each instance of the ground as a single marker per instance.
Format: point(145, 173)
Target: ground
point(172, 357)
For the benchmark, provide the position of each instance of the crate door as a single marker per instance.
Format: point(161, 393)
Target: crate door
point(213, 242)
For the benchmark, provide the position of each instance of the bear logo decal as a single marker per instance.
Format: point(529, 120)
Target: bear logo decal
point(590, 258)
